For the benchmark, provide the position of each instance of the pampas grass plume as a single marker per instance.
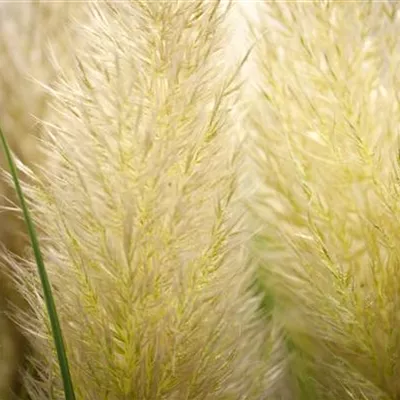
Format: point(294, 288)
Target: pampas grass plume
point(139, 217)
point(323, 118)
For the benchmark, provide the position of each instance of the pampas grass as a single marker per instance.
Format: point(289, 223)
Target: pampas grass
point(138, 213)
point(324, 120)
point(213, 237)
point(31, 33)
point(44, 280)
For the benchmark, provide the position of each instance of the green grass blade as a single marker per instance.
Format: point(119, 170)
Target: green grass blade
point(50, 304)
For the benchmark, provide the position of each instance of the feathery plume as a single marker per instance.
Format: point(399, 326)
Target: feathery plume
point(140, 229)
point(324, 121)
